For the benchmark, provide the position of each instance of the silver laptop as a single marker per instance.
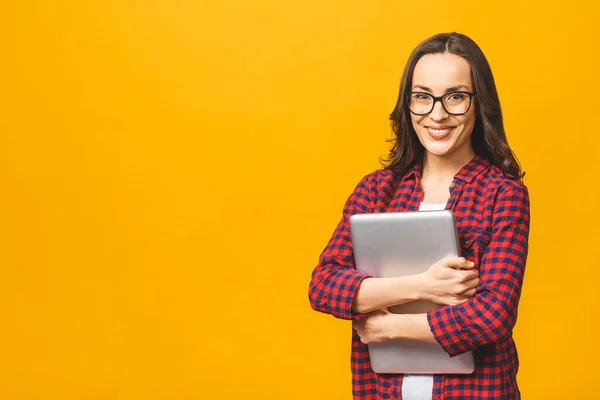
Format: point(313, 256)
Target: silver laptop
point(398, 244)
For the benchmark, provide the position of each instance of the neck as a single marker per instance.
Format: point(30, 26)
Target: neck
point(447, 166)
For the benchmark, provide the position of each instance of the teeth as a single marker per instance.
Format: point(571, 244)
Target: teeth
point(440, 131)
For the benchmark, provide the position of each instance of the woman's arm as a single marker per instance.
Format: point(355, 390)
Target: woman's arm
point(382, 325)
point(337, 288)
point(491, 314)
point(452, 280)
point(334, 280)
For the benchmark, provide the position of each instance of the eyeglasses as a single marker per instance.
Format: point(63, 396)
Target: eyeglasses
point(455, 103)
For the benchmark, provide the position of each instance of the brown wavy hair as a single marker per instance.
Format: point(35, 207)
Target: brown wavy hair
point(488, 138)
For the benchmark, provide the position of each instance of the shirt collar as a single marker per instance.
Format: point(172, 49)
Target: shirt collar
point(466, 174)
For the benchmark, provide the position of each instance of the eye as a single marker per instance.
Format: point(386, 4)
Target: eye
point(457, 97)
point(418, 96)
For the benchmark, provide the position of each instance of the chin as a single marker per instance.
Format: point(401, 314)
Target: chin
point(438, 153)
point(438, 150)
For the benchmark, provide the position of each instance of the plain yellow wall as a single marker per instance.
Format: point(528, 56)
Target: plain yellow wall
point(171, 170)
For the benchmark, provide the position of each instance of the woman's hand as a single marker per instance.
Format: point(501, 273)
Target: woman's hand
point(376, 327)
point(450, 281)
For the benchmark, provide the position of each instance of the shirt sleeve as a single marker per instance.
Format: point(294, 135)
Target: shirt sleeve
point(491, 314)
point(335, 279)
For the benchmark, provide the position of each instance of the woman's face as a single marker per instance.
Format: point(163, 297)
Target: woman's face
point(443, 134)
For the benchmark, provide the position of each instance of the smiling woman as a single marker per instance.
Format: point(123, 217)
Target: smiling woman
point(450, 152)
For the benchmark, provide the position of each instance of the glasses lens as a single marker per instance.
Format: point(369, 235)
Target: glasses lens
point(420, 103)
point(456, 103)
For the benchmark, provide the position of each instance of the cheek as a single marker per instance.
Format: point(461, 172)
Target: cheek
point(416, 120)
point(468, 122)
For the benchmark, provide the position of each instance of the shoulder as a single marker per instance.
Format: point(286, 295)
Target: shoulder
point(378, 179)
point(370, 189)
point(377, 184)
point(495, 180)
point(506, 192)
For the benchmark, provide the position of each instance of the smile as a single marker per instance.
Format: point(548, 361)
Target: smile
point(440, 133)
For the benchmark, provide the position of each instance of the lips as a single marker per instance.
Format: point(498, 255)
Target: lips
point(440, 132)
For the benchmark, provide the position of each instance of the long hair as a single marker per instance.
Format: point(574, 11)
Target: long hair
point(488, 138)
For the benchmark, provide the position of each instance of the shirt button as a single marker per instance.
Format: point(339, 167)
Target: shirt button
point(452, 185)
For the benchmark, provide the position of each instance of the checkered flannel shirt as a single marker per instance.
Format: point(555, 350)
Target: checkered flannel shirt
point(492, 213)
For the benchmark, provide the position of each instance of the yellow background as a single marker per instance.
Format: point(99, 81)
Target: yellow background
point(171, 170)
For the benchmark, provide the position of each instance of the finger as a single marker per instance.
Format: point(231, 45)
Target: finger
point(456, 300)
point(458, 262)
point(469, 275)
point(468, 293)
point(453, 261)
point(473, 283)
point(468, 286)
point(466, 296)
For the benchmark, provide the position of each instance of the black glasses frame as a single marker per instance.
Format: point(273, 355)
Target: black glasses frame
point(440, 98)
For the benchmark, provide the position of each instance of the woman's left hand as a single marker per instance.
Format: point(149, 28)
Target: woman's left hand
point(376, 327)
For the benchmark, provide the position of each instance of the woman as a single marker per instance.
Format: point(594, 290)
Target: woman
point(450, 151)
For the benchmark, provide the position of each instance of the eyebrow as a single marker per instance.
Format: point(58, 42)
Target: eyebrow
point(448, 90)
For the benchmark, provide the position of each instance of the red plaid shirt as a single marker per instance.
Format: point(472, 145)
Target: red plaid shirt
point(492, 214)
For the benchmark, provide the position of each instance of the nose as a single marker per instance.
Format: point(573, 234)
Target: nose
point(438, 113)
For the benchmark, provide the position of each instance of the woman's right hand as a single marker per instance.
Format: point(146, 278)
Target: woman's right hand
point(450, 281)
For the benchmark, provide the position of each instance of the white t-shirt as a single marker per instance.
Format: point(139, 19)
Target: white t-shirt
point(420, 387)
